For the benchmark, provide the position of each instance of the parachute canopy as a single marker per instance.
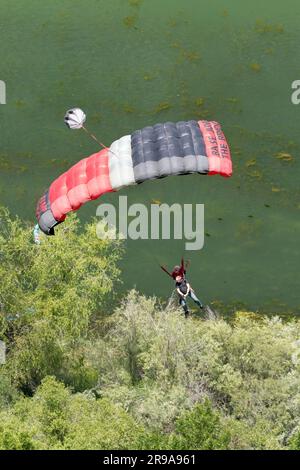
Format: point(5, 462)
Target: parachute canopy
point(75, 118)
point(153, 152)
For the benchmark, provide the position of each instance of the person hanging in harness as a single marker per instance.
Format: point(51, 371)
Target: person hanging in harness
point(183, 288)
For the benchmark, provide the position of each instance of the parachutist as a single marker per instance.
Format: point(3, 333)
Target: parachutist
point(183, 288)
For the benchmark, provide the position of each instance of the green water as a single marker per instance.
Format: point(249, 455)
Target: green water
point(134, 63)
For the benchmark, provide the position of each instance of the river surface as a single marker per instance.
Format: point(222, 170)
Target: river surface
point(129, 64)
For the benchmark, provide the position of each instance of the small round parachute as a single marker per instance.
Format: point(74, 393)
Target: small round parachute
point(75, 118)
point(157, 151)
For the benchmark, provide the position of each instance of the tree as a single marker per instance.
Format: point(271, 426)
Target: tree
point(201, 429)
point(49, 295)
point(54, 418)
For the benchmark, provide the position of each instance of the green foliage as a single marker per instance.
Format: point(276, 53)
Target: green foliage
point(65, 279)
point(57, 419)
point(8, 392)
point(249, 435)
point(45, 351)
point(160, 364)
point(12, 437)
point(143, 377)
point(102, 425)
point(49, 295)
point(294, 442)
point(200, 429)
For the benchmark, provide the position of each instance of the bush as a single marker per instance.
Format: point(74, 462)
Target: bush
point(200, 429)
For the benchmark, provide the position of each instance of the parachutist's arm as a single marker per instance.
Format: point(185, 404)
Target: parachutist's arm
point(166, 271)
point(182, 267)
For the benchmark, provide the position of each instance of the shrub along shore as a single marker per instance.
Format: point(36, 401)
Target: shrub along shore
point(85, 372)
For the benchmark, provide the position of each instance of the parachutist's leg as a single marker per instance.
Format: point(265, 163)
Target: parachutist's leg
point(195, 299)
point(183, 304)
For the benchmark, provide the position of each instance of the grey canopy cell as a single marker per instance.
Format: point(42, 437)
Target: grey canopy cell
point(168, 149)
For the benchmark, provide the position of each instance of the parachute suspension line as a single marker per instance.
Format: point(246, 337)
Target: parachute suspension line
point(94, 137)
point(96, 140)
